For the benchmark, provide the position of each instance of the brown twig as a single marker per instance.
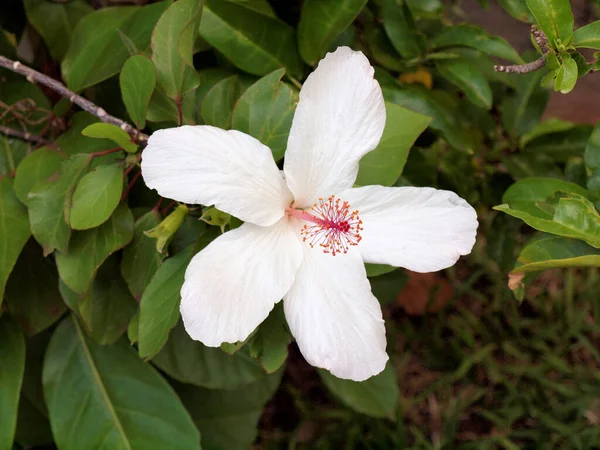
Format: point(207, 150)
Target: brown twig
point(542, 41)
point(34, 76)
point(130, 186)
point(26, 136)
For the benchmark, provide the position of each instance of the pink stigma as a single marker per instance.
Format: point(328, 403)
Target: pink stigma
point(331, 225)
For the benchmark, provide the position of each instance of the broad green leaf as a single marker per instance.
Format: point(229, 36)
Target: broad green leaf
point(382, 51)
point(12, 152)
point(192, 362)
point(321, 22)
point(376, 396)
point(587, 36)
point(55, 21)
point(98, 47)
point(260, 6)
point(228, 419)
point(592, 162)
point(548, 126)
point(107, 308)
point(469, 80)
point(218, 104)
point(266, 110)
point(15, 91)
point(270, 342)
point(400, 28)
point(384, 164)
point(116, 400)
point(35, 167)
point(73, 142)
point(172, 46)
point(556, 252)
point(137, 81)
point(522, 110)
point(566, 76)
point(100, 130)
point(554, 18)
point(253, 42)
point(561, 145)
point(209, 78)
point(88, 249)
point(47, 204)
point(96, 197)
point(517, 9)
point(32, 296)
point(14, 231)
point(140, 259)
point(502, 241)
point(374, 270)
point(12, 366)
point(466, 35)
point(132, 328)
point(537, 189)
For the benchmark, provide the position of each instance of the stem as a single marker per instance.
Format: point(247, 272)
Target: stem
point(26, 136)
point(542, 41)
point(179, 110)
point(294, 81)
point(34, 76)
point(166, 208)
point(105, 152)
point(131, 183)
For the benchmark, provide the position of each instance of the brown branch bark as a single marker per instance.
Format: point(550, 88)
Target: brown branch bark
point(34, 76)
point(26, 136)
point(542, 41)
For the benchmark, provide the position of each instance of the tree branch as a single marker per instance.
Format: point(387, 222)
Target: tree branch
point(26, 136)
point(542, 41)
point(34, 76)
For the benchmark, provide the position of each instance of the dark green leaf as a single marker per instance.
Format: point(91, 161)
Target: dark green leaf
point(517, 9)
point(321, 22)
point(32, 296)
point(12, 153)
point(554, 18)
point(548, 126)
point(400, 28)
point(218, 104)
point(209, 78)
point(384, 164)
point(55, 21)
point(556, 252)
point(12, 366)
point(592, 162)
point(140, 258)
point(228, 419)
point(96, 197)
point(561, 145)
point(24, 96)
point(502, 241)
point(72, 141)
point(88, 249)
point(14, 231)
point(35, 167)
point(266, 110)
point(270, 342)
point(255, 43)
point(566, 76)
point(100, 130)
point(374, 270)
point(115, 399)
point(137, 82)
point(376, 397)
point(469, 80)
point(192, 362)
point(587, 36)
point(47, 202)
point(522, 110)
point(539, 189)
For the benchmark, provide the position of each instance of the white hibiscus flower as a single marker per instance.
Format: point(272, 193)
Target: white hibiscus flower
point(307, 231)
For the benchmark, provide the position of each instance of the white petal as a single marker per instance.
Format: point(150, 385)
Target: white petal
point(210, 166)
point(340, 117)
point(231, 286)
point(421, 229)
point(334, 317)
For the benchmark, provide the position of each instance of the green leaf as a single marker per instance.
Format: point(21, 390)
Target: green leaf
point(321, 22)
point(209, 78)
point(374, 270)
point(592, 162)
point(32, 296)
point(556, 252)
point(132, 328)
point(159, 307)
point(522, 110)
point(376, 396)
point(35, 167)
point(140, 258)
point(12, 366)
point(469, 80)
point(107, 308)
point(137, 80)
point(15, 91)
point(14, 231)
point(12, 152)
point(47, 204)
point(98, 51)
point(115, 399)
point(548, 126)
point(266, 110)
point(554, 17)
point(562, 145)
point(384, 164)
point(400, 28)
point(228, 419)
point(472, 36)
point(88, 249)
point(73, 142)
point(192, 362)
point(100, 130)
point(587, 36)
point(253, 42)
point(218, 104)
point(566, 76)
point(172, 46)
point(537, 189)
point(96, 197)
point(270, 342)
point(517, 9)
point(55, 22)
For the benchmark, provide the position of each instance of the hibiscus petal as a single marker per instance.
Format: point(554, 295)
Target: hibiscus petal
point(421, 229)
point(210, 166)
point(231, 286)
point(340, 117)
point(334, 317)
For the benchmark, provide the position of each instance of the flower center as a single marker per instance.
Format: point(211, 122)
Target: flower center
point(331, 225)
